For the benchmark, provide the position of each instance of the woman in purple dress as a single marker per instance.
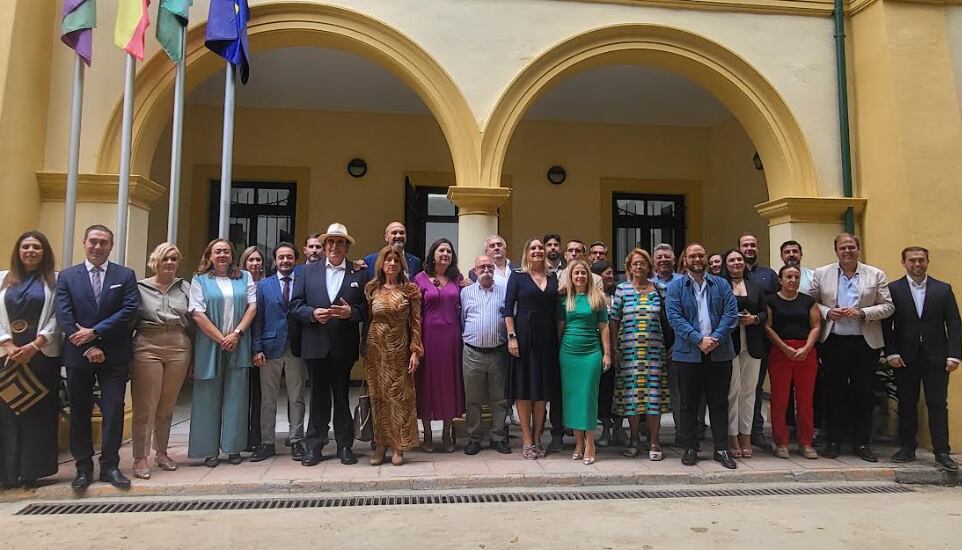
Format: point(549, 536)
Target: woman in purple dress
point(440, 390)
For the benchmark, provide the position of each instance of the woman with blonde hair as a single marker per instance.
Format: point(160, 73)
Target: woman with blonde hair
point(393, 352)
point(252, 261)
point(530, 313)
point(162, 355)
point(585, 354)
point(223, 302)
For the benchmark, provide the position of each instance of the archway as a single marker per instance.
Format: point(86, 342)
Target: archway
point(741, 88)
point(291, 24)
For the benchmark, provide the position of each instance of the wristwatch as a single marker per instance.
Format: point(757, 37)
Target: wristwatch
point(512, 336)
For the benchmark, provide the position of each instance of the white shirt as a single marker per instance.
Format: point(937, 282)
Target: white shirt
point(501, 278)
point(198, 302)
point(918, 293)
point(335, 277)
point(701, 297)
point(90, 273)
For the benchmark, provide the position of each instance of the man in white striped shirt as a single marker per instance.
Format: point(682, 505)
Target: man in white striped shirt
point(484, 359)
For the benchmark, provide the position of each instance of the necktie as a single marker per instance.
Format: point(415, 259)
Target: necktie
point(97, 282)
point(286, 291)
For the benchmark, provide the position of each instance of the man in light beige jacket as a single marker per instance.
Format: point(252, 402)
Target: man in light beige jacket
point(853, 298)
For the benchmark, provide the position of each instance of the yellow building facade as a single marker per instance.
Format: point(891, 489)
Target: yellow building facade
point(725, 110)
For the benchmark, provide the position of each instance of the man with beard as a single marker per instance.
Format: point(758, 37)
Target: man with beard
point(552, 247)
point(853, 298)
point(767, 279)
point(664, 257)
point(396, 235)
point(484, 359)
point(791, 253)
point(496, 250)
point(703, 313)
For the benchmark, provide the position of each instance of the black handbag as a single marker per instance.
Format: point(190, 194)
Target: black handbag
point(363, 421)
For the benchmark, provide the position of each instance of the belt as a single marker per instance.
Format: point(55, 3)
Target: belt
point(19, 326)
point(485, 350)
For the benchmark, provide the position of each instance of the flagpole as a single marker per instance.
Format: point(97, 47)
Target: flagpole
point(177, 138)
point(123, 188)
point(73, 161)
point(227, 153)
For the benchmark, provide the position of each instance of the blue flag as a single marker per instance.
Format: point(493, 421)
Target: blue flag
point(227, 33)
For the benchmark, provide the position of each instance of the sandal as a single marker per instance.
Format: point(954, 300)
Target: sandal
point(782, 452)
point(589, 460)
point(577, 456)
point(165, 463)
point(541, 451)
point(530, 453)
point(810, 453)
point(142, 473)
point(746, 453)
point(736, 452)
point(655, 453)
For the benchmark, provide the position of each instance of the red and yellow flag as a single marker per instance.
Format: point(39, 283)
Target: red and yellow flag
point(131, 26)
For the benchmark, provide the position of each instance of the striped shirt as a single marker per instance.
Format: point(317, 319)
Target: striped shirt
point(481, 320)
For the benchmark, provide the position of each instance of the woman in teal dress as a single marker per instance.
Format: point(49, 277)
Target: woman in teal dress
point(585, 354)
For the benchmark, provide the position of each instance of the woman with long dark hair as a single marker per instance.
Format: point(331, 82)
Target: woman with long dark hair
point(392, 355)
point(30, 343)
point(440, 387)
point(223, 302)
point(749, 343)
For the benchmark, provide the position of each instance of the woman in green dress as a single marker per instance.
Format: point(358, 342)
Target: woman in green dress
point(585, 354)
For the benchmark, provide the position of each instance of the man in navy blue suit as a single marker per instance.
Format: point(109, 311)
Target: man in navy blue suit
point(272, 347)
point(328, 300)
point(96, 307)
point(396, 235)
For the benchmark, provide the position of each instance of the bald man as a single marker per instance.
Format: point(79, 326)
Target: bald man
point(396, 235)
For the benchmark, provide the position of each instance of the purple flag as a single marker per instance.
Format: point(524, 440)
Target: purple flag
point(79, 20)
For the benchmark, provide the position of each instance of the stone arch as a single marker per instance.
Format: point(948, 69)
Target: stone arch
point(789, 167)
point(288, 24)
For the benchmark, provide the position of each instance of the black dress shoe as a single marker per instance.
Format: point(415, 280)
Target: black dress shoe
point(690, 457)
point(115, 478)
point(502, 446)
point(472, 448)
point(946, 462)
point(83, 480)
point(557, 442)
point(263, 453)
point(235, 459)
point(865, 453)
point(903, 455)
point(297, 451)
point(312, 457)
point(831, 450)
point(346, 455)
point(726, 459)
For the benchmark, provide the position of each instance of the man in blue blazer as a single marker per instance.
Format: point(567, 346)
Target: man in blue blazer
point(329, 302)
point(396, 235)
point(703, 313)
point(96, 306)
point(271, 345)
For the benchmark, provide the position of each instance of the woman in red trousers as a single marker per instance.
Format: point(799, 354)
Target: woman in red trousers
point(792, 326)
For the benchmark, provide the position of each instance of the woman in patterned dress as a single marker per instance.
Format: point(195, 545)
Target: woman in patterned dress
point(641, 382)
point(393, 352)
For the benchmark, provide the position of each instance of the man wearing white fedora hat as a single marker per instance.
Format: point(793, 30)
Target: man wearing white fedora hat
point(328, 300)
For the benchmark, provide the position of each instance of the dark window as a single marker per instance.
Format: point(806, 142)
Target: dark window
point(261, 213)
point(645, 221)
point(429, 217)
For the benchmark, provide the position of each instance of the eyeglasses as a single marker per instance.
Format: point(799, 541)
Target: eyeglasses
point(484, 267)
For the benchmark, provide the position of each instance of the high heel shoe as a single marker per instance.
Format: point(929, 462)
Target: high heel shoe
point(165, 463)
point(577, 456)
point(589, 460)
point(397, 459)
point(142, 473)
point(378, 457)
point(449, 441)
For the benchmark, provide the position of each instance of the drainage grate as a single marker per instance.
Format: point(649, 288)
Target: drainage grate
point(47, 509)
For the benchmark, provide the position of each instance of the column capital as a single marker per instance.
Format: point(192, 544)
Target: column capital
point(809, 209)
point(478, 200)
point(98, 188)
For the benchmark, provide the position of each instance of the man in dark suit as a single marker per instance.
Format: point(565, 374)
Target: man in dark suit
point(328, 300)
point(96, 307)
point(922, 344)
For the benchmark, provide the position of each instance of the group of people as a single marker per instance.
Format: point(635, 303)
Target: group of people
point(557, 337)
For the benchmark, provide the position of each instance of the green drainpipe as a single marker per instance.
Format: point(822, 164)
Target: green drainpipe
point(843, 129)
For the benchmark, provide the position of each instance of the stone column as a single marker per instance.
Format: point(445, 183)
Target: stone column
point(478, 218)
